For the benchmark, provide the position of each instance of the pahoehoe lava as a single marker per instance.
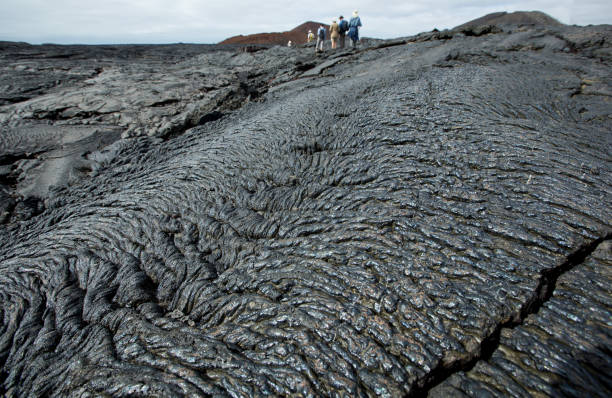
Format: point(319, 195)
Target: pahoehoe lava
point(424, 216)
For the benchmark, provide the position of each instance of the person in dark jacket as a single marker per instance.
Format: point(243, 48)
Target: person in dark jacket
point(354, 25)
point(320, 38)
point(343, 25)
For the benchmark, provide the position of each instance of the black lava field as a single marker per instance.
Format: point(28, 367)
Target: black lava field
point(426, 216)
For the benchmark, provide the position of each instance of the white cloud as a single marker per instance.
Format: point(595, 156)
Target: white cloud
point(166, 21)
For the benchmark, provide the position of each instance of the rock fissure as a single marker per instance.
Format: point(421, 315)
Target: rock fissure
point(543, 292)
point(10, 159)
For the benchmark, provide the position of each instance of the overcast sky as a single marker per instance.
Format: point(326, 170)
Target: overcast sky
point(208, 21)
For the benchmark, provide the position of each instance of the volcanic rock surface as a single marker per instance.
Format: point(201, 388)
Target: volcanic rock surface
point(427, 215)
point(550, 354)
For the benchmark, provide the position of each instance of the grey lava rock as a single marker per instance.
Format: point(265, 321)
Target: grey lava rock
point(63, 103)
point(398, 220)
point(563, 350)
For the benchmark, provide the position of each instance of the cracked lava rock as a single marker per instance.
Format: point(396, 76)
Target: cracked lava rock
point(423, 216)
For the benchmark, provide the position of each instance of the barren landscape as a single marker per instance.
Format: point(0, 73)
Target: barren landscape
point(423, 216)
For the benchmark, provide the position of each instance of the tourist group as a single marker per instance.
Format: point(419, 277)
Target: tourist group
point(338, 29)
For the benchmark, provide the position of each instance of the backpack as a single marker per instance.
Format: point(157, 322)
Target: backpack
point(321, 33)
point(343, 26)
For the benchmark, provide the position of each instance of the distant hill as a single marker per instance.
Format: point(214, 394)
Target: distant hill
point(297, 35)
point(514, 18)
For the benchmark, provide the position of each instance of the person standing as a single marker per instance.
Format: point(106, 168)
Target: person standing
point(320, 38)
point(310, 36)
point(334, 34)
point(343, 25)
point(354, 25)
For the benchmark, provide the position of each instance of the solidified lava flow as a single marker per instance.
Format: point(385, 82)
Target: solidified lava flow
point(424, 216)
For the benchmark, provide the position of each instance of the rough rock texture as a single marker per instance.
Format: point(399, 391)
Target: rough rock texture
point(563, 350)
point(62, 104)
point(375, 224)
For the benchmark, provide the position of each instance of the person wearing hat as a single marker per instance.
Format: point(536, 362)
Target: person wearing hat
point(343, 25)
point(310, 36)
point(334, 34)
point(354, 25)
